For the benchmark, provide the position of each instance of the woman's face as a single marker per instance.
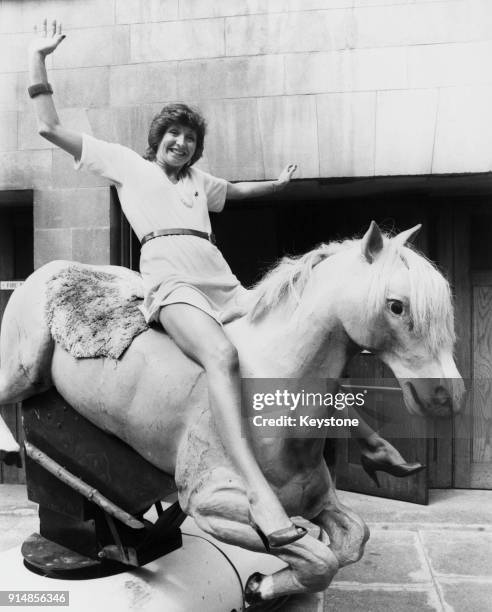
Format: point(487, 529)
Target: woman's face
point(177, 146)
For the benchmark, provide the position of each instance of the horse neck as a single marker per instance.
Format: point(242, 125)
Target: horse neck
point(292, 348)
point(292, 345)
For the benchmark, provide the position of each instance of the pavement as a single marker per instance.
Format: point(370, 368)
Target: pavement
point(426, 558)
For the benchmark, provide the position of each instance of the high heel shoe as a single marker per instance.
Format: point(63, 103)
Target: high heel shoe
point(281, 537)
point(400, 470)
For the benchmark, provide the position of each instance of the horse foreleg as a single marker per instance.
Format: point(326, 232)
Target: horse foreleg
point(346, 530)
point(311, 563)
point(311, 568)
point(225, 516)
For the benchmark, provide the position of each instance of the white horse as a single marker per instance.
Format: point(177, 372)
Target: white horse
point(309, 316)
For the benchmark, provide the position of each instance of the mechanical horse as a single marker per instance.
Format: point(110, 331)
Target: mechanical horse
point(308, 317)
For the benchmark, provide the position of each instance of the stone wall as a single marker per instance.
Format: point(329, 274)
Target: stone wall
point(343, 87)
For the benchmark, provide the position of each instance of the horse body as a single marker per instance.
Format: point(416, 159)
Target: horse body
point(309, 316)
point(156, 400)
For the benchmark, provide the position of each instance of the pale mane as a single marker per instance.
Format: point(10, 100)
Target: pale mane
point(430, 300)
point(285, 282)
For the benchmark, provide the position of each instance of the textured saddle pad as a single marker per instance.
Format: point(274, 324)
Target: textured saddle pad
point(94, 313)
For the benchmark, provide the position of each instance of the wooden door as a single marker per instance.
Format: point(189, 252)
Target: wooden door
point(481, 388)
point(385, 412)
point(16, 262)
point(473, 288)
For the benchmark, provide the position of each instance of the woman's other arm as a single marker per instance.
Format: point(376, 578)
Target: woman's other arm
point(237, 191)
point(49, 125)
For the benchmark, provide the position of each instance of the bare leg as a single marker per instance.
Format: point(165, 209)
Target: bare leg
point(202, 339)
point(377, 454)
point(371, 444)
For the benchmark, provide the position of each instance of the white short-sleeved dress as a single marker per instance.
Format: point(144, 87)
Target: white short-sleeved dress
point(175, 269)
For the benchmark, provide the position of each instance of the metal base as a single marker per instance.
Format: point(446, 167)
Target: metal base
point(197, 576)
point(72, 549)
point(52, 560)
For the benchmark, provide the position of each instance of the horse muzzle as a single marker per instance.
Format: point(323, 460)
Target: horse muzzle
point(437, 398)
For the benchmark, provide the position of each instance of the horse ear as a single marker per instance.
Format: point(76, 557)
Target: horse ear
point(372, 242)
point(408, 235)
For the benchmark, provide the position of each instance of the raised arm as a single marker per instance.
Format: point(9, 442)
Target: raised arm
point(49, 125)
point(238, 191)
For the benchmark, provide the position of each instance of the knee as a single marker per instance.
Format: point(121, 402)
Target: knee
point(223, 357)
point(223, 514)
point(322, 569)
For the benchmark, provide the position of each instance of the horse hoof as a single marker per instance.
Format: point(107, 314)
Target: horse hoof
point(252, 593)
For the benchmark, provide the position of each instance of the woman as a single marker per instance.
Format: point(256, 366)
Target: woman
point(189, 288)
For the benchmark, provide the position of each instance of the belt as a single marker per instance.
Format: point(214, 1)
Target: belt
point(177, 232)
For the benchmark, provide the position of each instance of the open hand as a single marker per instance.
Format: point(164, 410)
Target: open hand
point(286, 175)
point(47, 39)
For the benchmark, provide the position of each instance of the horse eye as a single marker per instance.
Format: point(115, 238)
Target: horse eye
point(396, 307)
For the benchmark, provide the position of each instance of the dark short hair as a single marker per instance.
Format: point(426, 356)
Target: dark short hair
point(169, 115)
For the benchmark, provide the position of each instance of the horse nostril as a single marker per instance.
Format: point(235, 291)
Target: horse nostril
point(441, 396)
point(441, 403)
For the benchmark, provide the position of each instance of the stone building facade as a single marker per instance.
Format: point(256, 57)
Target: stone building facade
point(344, 87)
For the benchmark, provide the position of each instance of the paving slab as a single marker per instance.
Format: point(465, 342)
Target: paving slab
point(369, 600)
point(446, 506)
point(15, 529)
point(468, 597)
point(14, 497)
point(452, 538)
point(18, 516)
point(378, 563)
point(459, 553)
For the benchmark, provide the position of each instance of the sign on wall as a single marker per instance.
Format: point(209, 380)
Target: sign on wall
point(10, 285)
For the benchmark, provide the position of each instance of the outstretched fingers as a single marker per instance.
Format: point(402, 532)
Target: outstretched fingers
point(286, 174)
point(291, 168)
point(47, 37)
point(55, 28)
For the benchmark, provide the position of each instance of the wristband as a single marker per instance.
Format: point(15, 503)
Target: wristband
point(38, 89)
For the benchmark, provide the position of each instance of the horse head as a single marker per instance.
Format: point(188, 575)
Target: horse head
point(401, 311)
point(375, 293)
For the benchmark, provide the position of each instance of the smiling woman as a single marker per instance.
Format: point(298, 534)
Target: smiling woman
point(189, 288)
point(176, 137)
point(177, 147)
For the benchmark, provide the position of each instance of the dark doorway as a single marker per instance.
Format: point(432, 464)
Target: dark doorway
point(16, 264)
